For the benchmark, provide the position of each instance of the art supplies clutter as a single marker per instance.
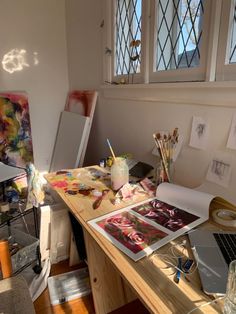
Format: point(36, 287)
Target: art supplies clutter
point(166, 144)
point(26, 244)
point(69, 286)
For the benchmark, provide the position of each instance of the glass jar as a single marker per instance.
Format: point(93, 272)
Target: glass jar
point(230, 298)
point(161, 176)
point(119, 173)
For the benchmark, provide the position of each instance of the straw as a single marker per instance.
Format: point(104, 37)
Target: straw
point(112, 152)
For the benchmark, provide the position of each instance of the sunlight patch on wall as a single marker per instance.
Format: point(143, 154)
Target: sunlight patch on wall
point(36, 60)
point(16, 60)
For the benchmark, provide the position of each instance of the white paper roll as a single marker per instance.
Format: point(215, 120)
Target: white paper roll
point(4, 207)
point(224, 217)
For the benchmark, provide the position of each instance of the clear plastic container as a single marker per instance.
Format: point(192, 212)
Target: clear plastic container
point(69, 286)
point(27, 243)
point(119, 173)
point(230, 299)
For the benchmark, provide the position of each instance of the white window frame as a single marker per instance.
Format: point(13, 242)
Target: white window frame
point(210, 50)
point(183, 74)
point(137, 77)
point(224, 70)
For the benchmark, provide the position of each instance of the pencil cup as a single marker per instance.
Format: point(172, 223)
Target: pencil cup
point(230, 298)
point(119, 174)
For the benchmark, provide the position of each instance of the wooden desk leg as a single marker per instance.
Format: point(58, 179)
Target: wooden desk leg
point(106, 283)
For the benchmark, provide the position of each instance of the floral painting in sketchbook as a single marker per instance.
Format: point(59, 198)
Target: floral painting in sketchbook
point(131, 231)
point(138, 230)
point(166, 215)
point(15, 132)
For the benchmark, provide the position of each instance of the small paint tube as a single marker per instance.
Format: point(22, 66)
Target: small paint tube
point(102, 162)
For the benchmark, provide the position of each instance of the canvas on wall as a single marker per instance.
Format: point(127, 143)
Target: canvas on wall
point(16, 147)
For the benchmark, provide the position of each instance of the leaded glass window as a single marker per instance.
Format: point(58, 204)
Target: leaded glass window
point(232, 55)
point(178, 34)
point(128, 36)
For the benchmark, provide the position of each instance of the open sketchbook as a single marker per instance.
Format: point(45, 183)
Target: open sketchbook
point(140, 229)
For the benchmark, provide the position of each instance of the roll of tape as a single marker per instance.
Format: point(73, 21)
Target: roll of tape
point(4, 207)
point(224, 217)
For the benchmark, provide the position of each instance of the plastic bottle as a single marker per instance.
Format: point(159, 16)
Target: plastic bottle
point(119, 173)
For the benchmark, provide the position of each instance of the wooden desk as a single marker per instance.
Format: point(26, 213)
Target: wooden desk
point(115, 278)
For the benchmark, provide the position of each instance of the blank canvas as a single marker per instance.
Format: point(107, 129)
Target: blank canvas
point(70, 140)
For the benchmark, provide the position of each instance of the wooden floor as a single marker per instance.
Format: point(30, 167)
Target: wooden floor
point(81, 305)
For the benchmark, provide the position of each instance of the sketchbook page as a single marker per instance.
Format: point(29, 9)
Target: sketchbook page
point(134, 235)
point(140, 229)
point(185, 198)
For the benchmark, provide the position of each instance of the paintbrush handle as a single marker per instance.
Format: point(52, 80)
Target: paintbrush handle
point(162, 157)
point(98, 201)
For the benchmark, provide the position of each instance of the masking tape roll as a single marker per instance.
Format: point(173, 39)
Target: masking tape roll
point(224, 217)
point(4, 207)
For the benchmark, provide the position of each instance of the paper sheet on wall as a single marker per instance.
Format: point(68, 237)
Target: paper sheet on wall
point(199, 133)
point(219, 170)
point(232, 134)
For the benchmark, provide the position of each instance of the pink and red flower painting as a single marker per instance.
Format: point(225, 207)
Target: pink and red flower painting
point(131, 231)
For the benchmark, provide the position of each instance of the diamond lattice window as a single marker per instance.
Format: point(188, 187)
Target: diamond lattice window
point(128, 37)
point(232, 56)
point(178, 35)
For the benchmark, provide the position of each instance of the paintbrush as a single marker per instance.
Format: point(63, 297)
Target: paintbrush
point(98, 201)
point(112, 152)
point(162, 154)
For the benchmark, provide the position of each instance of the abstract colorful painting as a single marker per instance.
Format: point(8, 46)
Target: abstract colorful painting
point(16, 147)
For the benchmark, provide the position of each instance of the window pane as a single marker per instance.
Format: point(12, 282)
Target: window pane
point(128, 36)
point(179, 32)
point(232, 56)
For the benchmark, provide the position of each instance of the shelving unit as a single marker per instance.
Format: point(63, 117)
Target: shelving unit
point(28, 244)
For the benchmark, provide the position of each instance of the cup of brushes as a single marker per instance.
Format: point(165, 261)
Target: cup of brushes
point(166, 144)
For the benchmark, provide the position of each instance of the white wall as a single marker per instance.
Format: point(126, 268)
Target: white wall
point(128, 115)
point(38, 27)
point(85, 57)
point(131, 115)
point(84, 40)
